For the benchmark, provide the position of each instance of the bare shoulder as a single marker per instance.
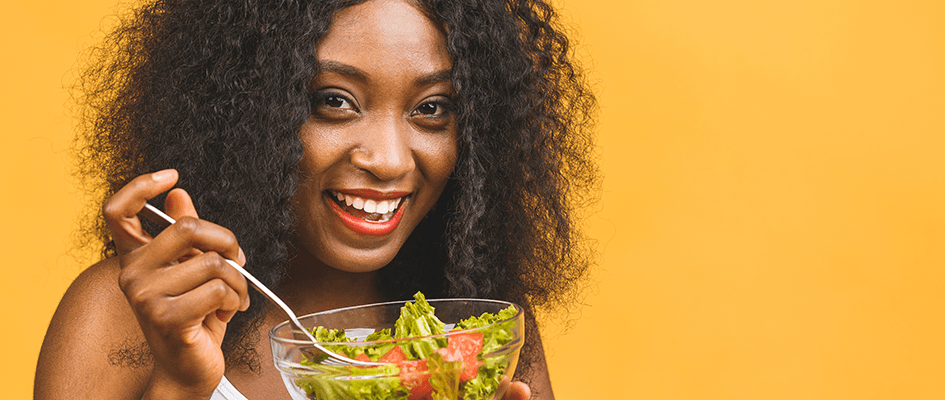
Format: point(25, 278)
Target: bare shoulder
point(93, 347)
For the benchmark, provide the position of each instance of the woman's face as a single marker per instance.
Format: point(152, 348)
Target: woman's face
point(381, 141)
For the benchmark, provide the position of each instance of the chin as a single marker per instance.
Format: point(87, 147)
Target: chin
point(362, 265)
point(353, 260)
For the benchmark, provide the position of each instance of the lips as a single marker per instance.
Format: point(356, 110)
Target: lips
point(368, 212)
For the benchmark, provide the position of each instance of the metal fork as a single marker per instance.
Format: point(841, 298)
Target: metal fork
point(157, 216)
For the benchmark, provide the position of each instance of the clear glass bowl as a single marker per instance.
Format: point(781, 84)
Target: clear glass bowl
point(484, 376)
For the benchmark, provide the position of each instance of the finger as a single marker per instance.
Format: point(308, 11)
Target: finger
point(518, 391)
point(225, 316)
point(193, 306)
point(121, 209)
point(181, 240)
point(189, 233)
point(178, 279)
point(177, 205)
point(515, 390)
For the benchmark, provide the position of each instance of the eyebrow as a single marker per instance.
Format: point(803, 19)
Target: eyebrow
point(349, 70)
point(436, 77)
point(340, 68)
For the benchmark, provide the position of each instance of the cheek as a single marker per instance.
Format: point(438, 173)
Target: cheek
point(439, 158)
point(320, 148)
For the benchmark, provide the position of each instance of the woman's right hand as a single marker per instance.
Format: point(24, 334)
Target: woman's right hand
point(178, 284)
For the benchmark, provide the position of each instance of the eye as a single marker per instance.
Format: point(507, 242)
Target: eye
point(437, 108)
point(434, 113)
point(428, 108)
point(337, 102)
point(331, 99)
point(333, 104)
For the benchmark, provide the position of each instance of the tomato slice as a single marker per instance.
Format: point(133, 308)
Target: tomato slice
point(363, 357)
point(469, 344)
point(394, 355)
point(414, 375)
point(465, 347)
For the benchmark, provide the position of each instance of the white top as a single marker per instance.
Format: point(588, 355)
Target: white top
point(226, 391)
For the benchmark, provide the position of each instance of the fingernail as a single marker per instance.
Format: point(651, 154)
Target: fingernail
point(164, 175)
point(242, 257)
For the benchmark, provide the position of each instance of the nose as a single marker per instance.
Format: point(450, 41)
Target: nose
point(385, 150)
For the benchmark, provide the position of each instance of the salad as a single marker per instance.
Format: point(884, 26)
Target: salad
point(457, 364)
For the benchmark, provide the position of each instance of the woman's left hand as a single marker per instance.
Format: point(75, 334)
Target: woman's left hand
point(517, 391)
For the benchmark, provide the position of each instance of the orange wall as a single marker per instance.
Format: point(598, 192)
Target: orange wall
point(773, 218)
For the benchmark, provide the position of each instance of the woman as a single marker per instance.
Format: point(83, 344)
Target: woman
point(354, 152)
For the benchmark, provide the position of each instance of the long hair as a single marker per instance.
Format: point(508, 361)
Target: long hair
point(218, 90)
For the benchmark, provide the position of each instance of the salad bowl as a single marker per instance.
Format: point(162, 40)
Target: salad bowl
point(437, 349)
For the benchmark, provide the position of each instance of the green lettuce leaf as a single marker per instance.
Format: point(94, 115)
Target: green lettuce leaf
point(375, 351)
point(328, 386)
point(323, 334)
point(418, 319)
point(444, 377)
point(495, 337)
point(484, 385)
point(383, 334)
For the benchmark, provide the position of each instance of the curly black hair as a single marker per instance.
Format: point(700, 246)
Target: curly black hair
point(218, 90)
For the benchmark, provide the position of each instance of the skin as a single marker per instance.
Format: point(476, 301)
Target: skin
point(382, 122)
point(381, 126)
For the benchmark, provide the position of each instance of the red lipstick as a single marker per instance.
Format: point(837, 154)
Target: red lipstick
point(367, 228)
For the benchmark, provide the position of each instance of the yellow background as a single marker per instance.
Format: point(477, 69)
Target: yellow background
point(772, 224)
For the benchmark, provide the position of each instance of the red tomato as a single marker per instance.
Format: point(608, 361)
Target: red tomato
point(413, 375)
point(468, 344)
point(465, 347)
point(363, 357)
point(394, 355)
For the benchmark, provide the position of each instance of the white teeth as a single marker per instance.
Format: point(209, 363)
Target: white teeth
point(382, 207)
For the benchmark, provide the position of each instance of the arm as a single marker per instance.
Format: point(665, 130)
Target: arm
point(162, 291)
point(92, 322)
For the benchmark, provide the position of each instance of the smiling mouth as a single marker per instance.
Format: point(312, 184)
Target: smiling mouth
point(370, 210)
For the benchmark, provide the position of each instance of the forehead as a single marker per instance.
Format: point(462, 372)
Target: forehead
point(385, 34)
